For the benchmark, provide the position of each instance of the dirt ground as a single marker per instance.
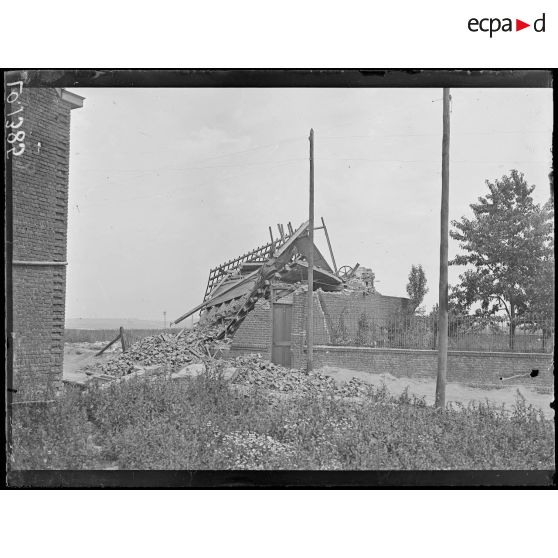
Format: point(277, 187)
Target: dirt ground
point(78, 355)
point(537, 396)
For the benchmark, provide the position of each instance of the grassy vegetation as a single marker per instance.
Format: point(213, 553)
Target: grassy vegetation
point(205, 423)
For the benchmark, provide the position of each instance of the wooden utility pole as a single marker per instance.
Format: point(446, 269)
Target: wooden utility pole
point(164, 320)
point(310, 304)
point(122, 339)
point(443, 285)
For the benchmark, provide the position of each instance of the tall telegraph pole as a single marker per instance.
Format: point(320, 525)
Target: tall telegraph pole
point(443, 285)
point(310, 304)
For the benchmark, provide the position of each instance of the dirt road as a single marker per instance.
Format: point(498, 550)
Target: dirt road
point(539, 397)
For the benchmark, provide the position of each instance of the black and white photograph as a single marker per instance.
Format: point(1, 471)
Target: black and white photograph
point(278, 277)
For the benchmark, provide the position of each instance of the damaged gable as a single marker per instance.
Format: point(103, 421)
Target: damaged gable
point(247, 278)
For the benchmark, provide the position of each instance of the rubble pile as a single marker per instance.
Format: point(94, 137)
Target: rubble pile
point(254, 370)
point(165, 350)
point(355, 388)
point(191, 354)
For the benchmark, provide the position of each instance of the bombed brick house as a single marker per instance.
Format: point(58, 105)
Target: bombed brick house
point(39, 231)
point(261, 298)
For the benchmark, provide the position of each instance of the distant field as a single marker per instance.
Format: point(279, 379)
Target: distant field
point(96, 335)
point(115, 323)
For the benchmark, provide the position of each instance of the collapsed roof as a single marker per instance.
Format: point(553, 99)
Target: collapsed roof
point(249, 277)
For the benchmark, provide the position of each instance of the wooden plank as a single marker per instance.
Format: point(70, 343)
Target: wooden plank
point(207, 302)
point(323, 273)
point(250, 266)
point(238, 291)
point(291, 241)
point(190, 312)
point(352, 272)
point(329, 246)
point(122, 339)
point(109, 345)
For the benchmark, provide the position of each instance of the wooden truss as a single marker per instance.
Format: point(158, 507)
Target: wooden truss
point(250, 276)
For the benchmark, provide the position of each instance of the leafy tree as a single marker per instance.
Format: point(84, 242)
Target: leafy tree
point(340, 334)
point(509, 245)
point(416, 287)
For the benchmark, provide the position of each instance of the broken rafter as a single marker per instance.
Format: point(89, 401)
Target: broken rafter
point(266, 273)
point(210, 302)
point(326, 273)
point(261, 254)
point(119, 336)
point(329, 246)
point(351, 273)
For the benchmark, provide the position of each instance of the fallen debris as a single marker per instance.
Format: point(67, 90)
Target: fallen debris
point(165, 352)
point(254, 370)
point(192, 354)
point(190, 371)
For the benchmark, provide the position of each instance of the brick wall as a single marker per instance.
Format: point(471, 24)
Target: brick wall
point(328, 308)
point(470, 367)
point(254, 334)
point(353, 304)
point(40, 207)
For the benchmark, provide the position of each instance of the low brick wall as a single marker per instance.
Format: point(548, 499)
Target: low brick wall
point(469, 367)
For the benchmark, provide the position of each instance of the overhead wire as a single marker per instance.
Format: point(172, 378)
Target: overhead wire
point(206, 182)
point(274, 163)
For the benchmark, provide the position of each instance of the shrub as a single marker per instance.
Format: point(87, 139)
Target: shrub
point(205, 423)
point(340, 334)
point(363, 336)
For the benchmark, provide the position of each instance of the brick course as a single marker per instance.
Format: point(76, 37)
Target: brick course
point(470, 367)
point(40, 208)
point(254, 334)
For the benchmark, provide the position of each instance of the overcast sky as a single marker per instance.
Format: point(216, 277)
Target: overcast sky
point(167, 183)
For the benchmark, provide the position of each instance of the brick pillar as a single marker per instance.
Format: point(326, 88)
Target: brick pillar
point(39, 215)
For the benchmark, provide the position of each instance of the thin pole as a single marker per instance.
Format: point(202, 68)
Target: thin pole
point(310, 305)
point(271, 302)
point(443, 285)
point(164, 320)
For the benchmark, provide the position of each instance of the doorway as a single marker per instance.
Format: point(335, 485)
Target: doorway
point(281, 339)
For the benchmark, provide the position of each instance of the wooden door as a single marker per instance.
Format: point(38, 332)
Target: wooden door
point(281, 345)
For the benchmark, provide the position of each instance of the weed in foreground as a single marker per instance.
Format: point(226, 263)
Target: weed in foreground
point(203, 423)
